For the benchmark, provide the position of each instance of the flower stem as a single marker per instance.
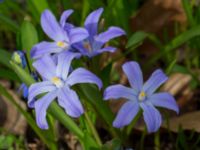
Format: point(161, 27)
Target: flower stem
point(130, 127)
point(95, 134)
point(157, 140)
point(59, 114)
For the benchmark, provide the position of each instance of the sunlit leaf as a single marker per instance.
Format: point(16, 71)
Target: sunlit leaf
point(136, 38)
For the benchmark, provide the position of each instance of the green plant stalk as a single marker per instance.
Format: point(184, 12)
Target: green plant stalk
point(103, 110)
point(130, 127)
point(157, 140)
point(59, 114)
point(170, 67)
point(142, 138)
point(95, 133)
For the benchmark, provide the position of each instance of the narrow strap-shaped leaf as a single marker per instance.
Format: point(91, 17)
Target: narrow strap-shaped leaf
point(176, 42)
point(29, 37)
point(13, 26)
point(5, 57)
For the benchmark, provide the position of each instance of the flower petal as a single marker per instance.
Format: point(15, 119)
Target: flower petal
point(51, 27)
point(80, 48)
point(64, 17)
point(39, 88)
point(105, 49)
point(134, 74)
point(43, 48)
point(69, 100)
point(46, 67)
point(126, 114)
point(165, 100)
point(111, 33)
point(77, 35)
point(152, 117)
point(91, 22)
point(41, 107)
point(82, 75)
point(68, 27)
point(64, 63)
point(156, 79)
point(119, 91)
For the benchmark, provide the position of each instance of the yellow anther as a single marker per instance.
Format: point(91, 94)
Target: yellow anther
point(61, 44)
point(142, 96)
point(57, 81)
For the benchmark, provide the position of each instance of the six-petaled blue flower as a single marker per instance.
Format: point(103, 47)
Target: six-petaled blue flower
point(141, 96)
point(63, 34)
point(93, 45)
point(56, 84)
point(54, 65)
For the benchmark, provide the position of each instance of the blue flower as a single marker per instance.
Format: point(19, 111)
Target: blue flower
point(24, 88)
point(141, 96)
point(56, 84)
point(63, 34)
point(94, 44)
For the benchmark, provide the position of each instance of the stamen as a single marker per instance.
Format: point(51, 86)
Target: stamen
point(142, 96)
point(62, 44)
point(57, 81)
point(87, 46)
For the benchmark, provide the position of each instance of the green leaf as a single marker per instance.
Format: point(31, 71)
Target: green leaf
point(59, 114)
point(8, 74)
point(6, 142)
point(40, 5)
point(94, 96)
point(114, 144)
point(171, 66)
point(188, 10)
point(5, 57)
point(136, 38)
point(29, 37)
point(13, 26)
point(85, 10)
point(176, 42)
point(37, 7)
point(88, 142)
point(105, 74)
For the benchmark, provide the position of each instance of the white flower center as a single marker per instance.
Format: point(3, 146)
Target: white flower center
point(142, 96)
point(57, 81)
point(62, 44)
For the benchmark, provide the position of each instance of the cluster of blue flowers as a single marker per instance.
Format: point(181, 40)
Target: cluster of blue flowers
point(53, 63)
